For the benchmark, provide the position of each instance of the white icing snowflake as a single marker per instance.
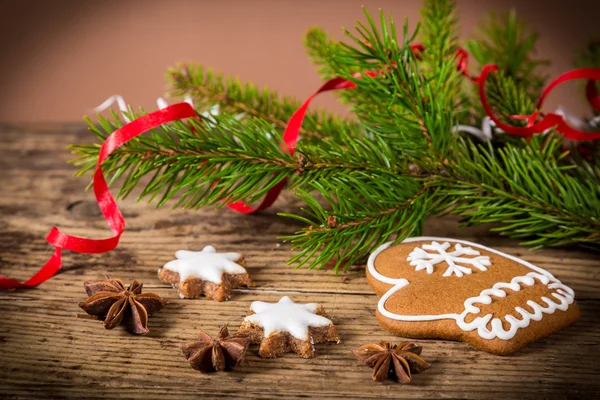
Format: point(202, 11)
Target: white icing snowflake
point(424, 260)
point(286, 316)
point(207, 264)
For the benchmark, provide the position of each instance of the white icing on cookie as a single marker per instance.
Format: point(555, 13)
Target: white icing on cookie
point(207, 264)
point(286, 316)
point(420, 258)
point(564, 295)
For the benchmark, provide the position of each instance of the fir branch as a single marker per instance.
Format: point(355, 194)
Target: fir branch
point(226, 158)
point(330, 160)
point(354, 227)
point(507, 42)
point(526, 189)
point(402, 102)
point(439, 35)
point(439, 32)
point(375, 50)
point(325, 52)
point(509, 99)
point(379, 179)
point(331, 59)
point(205, 162)
point(245, 100)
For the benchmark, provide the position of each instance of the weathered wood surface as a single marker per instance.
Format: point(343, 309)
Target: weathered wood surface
point(46, 352)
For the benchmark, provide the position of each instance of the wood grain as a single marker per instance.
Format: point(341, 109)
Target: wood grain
point(46, 352)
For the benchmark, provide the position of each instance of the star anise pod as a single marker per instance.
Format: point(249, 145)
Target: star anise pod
point(224, 352)
point(397, 361)
point(110, 301)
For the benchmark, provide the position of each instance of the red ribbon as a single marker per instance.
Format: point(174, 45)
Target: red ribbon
point(179, 111)
point(106, 201)
point(549, 120)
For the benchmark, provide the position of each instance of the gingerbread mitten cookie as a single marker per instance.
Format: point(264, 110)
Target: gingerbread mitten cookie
point(287, 326)
point(205, 272)
point(453, 289)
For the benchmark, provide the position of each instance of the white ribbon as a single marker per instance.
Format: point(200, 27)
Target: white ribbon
point(489, 128)
point(484, 134)
point(209, 114)
point(160, 102)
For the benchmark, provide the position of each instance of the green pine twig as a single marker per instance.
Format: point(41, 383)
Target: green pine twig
point(379, 178)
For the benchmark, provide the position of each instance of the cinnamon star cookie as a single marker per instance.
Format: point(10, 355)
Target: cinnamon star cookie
point(205, 272)
point(287, 326)
point(453, 289)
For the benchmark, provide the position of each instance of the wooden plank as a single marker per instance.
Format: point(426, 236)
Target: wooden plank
point(47, 352)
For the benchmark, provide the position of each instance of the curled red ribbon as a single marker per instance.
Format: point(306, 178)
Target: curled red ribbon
point(549, 120)
point(106, 201)
point(179, 111)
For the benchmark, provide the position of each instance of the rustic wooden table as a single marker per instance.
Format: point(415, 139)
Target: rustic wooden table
point(46, 352)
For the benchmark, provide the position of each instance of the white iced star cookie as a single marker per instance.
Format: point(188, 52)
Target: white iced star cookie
point(206, 272)
point(287, 326)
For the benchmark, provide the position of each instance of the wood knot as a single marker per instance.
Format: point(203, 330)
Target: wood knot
point(84, 209)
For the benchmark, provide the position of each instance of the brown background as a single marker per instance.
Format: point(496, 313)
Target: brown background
point(60, 58)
